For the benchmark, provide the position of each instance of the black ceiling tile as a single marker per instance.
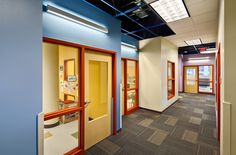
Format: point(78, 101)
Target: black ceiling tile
point(140, 20)
point(145, 17)
point(128, 24)
point(163, 30)
point(103, 6)
point(136, 36)
point(130, 4)
point(195, 49)
point(144, 34)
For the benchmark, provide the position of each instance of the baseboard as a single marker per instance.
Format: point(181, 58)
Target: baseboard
point(150, 110)
point(162, 110)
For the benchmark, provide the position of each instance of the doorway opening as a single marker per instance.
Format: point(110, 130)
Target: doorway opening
point(130, 86)
point(199, 79)
point(65, 70)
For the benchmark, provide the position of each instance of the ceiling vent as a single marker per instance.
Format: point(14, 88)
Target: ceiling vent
point(140, 12)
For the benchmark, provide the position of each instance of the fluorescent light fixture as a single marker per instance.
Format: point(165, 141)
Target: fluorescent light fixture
point(128, 45)
point(193, 42)
point(198, 61)
point(76, 18)
point(199, 58)
point(207, 52)
point(170, 10)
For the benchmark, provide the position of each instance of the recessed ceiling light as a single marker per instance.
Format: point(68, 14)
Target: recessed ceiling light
point(193, 42)
point(170, 10)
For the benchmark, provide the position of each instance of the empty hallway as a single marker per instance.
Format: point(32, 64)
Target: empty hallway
point(188, 127)
point(117, 77)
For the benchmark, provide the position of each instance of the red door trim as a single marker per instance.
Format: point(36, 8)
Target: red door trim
point(80, 150)
point(172, 80)
point(218, 89)
point(126, 89)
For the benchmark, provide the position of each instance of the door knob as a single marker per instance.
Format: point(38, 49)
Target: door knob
point(86, 103)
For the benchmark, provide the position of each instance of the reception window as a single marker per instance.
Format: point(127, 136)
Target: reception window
point(171, 79)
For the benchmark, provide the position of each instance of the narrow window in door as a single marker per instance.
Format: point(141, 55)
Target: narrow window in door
point(170, 79)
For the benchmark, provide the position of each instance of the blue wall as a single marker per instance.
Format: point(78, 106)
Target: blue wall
point(58, 28)
point(128, 53)
point(21, 75)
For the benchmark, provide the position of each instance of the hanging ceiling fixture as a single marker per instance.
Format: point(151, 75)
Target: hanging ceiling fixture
point(76, 18)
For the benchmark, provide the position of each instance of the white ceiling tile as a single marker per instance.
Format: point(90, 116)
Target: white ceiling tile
point(203, 23)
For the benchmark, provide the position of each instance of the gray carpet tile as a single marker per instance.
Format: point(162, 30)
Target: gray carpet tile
point(188, 127)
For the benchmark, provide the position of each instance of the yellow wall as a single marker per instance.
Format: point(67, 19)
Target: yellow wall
point(50, 79)
point(98, 88)
point(66, 53)
point(131, 68)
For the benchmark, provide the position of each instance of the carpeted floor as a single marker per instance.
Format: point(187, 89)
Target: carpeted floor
point(186, 128)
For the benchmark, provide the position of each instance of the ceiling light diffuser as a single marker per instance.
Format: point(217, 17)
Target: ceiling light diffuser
point(170, 10)
point(76, 18)
point(193, 42)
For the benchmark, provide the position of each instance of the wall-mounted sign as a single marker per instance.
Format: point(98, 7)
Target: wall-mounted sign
point(71, 78)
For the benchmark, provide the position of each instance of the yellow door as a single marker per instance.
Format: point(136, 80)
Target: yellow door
point(98, 90)
point(191, 79)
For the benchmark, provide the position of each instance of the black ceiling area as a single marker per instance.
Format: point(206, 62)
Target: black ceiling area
point(195, 49)
point(139, 20)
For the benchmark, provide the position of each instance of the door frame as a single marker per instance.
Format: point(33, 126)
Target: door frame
point(218, 88)
point(126, 111)
point(213, 80)
point(80, 149)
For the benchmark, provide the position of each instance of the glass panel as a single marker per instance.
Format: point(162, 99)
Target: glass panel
point(171, 79)
point(131, 99)
point(205, 73)
point(170, 70)
point(60, 77)
point(98, 89)
point(191, 76)
point(61, 134)
point(131, 73)
point(205, 79)
point(205, 87)
point(170, 88)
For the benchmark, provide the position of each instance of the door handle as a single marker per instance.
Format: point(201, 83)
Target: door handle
point(86, 103)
